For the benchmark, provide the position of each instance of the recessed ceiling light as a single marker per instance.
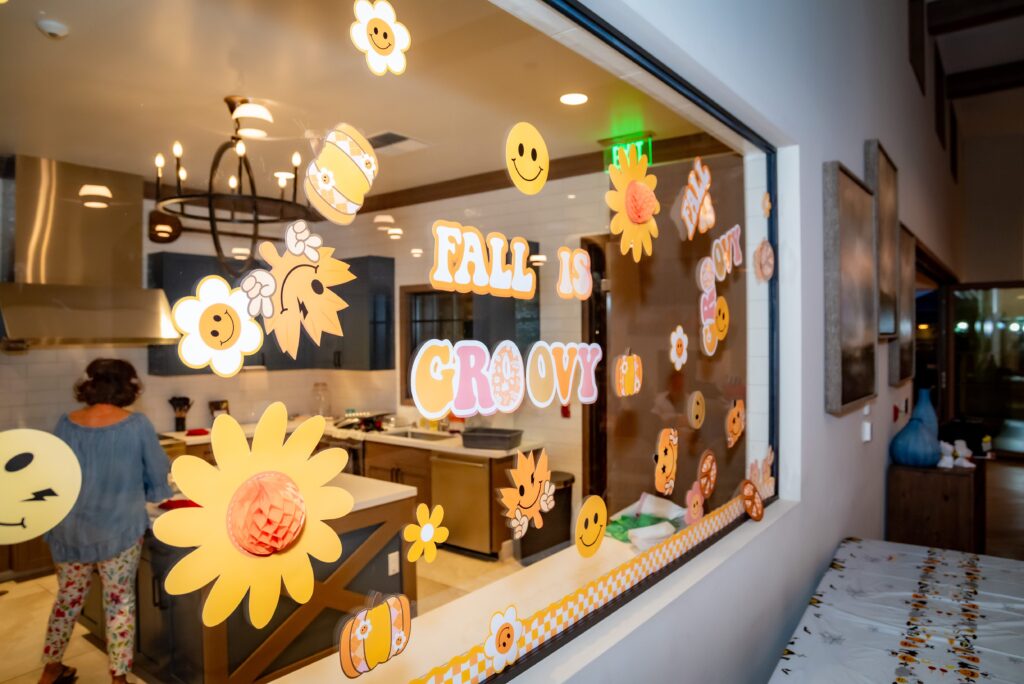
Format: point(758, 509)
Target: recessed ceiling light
point(538, 259)
point(394, 233)
point(416, 252)
point(240, 253)
point(383, 221)
point(573, 99)
point(571, 196)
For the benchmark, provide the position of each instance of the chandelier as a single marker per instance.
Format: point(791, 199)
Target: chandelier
point(236, 205)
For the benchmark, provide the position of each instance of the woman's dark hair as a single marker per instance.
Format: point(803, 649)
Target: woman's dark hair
point(109, 381)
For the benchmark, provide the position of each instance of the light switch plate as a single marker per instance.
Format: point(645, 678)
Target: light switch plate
point(865, 431)
point(392, 563)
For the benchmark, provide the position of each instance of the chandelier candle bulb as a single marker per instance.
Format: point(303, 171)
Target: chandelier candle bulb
point(240, 148)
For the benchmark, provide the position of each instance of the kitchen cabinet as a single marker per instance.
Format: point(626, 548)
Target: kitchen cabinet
point(400, 464)
point(25, 560)
point(368, 342)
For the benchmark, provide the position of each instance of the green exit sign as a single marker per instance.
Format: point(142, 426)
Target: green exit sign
point(642, 146)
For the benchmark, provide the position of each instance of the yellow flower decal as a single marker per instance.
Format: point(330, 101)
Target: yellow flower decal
point(260, 516)
point(634, 203)
point(427, 534)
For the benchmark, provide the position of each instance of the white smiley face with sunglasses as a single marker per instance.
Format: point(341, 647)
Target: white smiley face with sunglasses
point(39, 483)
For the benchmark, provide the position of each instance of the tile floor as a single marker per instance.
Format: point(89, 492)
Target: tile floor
point(1005, 515)
point(453, 574)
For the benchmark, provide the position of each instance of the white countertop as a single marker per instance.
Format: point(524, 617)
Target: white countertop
point(248, 428)
point(449, 445)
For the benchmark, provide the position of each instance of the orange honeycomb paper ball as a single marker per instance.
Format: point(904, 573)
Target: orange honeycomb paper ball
point(266, 514)
point(640, 202)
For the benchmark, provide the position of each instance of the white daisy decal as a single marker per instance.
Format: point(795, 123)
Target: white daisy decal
point(502, 646)
point(216, 328)
point(677, 350)
point(378, 34)
point(325, 180)
point(363, 629)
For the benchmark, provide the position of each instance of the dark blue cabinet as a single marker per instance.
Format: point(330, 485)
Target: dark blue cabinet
point(367, 323)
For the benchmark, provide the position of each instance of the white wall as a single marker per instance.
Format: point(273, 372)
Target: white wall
point(817, 79)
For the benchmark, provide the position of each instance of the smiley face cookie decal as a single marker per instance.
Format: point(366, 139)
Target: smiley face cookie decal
point(696, 409)
point(295, 294)
point(378, 34)
point(531, 493)
point(216, 328)
point(526, 157)
point(39, 483)
point(591, 522)
point(735, 422)
point(665, 459)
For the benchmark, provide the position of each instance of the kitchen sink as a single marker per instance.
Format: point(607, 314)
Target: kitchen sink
point(425, 436)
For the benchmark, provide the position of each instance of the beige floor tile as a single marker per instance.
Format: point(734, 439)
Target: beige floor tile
point(23, 617)
point(433, 594)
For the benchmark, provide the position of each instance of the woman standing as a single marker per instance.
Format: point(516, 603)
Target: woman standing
point(123, 466)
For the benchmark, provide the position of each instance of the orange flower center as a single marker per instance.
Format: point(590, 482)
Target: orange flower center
point(266, 514)
point(640, 202)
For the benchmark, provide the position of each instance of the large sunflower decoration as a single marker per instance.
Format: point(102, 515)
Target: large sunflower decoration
point(633, 202)
point(260, 516)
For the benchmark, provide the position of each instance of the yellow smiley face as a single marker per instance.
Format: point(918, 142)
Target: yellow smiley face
point(721, 318)
point(39, 483)
point(381, 38)
point(695, 409)
point(526, 156)
point(590, 525)
point(219, 326)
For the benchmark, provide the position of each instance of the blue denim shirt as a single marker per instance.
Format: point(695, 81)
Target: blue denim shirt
point(123, 466)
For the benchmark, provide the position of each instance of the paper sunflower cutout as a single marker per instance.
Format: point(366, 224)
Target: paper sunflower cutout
point(502, 645)
point(378, 34)
point(427, 534)
point(216, 329)
point(260, 516)
point(634, 203)
point(677, 350)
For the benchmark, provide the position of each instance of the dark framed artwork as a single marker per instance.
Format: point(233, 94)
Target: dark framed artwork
point(881, 176)
point(851, 290)
point(901, 351)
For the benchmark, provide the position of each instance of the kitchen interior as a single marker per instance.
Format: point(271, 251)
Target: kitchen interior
point(92, 257)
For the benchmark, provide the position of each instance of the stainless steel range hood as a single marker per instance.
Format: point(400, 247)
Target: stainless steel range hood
point(73, 274)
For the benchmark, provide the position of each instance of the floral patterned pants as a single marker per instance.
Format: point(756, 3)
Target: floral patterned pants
point(118, 577)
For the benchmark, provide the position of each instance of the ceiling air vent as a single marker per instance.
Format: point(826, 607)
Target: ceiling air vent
point(390, 143)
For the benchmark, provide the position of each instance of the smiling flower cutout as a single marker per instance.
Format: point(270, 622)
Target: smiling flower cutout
point(677, 351)
point(634, 203)
point(694, 504)
point(502, 646)
point(531, 493)
point(216, 328)
point(260, 516)
point(378, 34)
point(427, 534)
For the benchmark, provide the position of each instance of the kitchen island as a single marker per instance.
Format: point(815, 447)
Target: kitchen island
point(172, 644)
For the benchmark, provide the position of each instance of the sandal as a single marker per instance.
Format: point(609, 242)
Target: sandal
point(67, 676)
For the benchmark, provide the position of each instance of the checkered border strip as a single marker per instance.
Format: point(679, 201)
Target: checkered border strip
point(474, 666)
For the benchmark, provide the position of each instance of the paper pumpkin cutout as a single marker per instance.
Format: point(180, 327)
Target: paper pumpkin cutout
point(764, 261)
point(259, 517)
point(766, 205)
point(696, 409)
point(666, 456)
point(342, 171)
point(503, 645)
point(677, 347)
point(40, 479)
point(735, 422)
point(297, 290)
point(752, 502)
point(707, 473)
point(465, 262)
point(760, 473)
point(629, 374)
point(526, 158)
point(215, 326)
point(694, 504)
point(378, 34)
point(591, 522)
point(695, 194)
point(633, 202)
point(426, 533)
point(375, 635)
point(574, 277)
point(531, 494)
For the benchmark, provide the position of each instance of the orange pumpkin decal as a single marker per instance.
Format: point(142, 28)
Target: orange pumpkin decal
point(629, 374)
point(375, 635)
point(735, 421)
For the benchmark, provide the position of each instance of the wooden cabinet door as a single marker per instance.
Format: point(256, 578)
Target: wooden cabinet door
point(378, 461)
point(154, 622)
point(418, 478)
point(31, 557)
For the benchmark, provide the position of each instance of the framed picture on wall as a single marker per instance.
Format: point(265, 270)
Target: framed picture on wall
point(851, 284)
point(880, 176)
point(901, 352)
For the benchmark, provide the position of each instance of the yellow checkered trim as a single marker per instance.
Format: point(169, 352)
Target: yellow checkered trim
point(474, 666)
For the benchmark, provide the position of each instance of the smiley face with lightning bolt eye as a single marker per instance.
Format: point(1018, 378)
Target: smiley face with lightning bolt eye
point(39, 483)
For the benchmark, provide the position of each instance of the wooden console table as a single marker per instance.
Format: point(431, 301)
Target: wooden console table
point(938, 507)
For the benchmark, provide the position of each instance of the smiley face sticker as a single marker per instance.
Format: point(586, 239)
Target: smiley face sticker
point(696, 409)
point(216, 329)
point(591, 522)
point(531, 494)
point(526, 157)
point(378, 34)
point(39, 483)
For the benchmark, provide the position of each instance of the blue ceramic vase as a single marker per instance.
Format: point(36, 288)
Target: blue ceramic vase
point(917, 444)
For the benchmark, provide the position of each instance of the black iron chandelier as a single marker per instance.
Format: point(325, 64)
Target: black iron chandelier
point(236, 206)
